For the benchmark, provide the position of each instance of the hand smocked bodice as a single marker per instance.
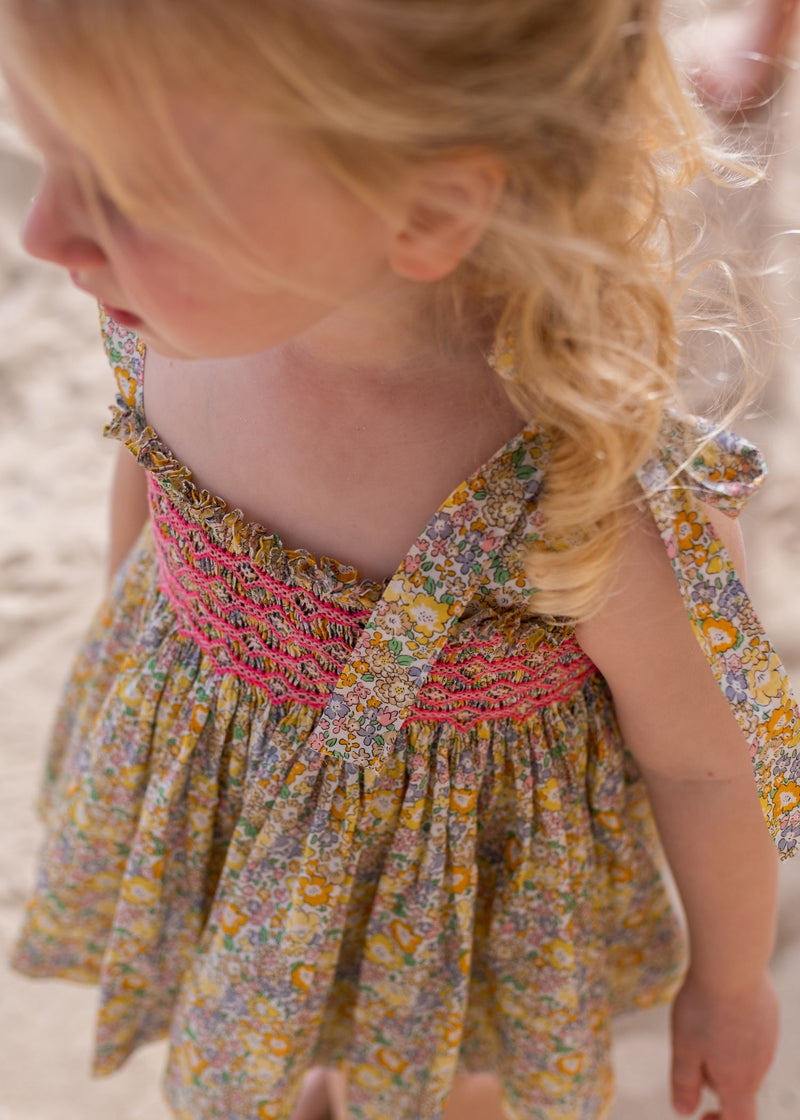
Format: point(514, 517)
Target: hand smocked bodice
point(288, 624)
point(289, 628)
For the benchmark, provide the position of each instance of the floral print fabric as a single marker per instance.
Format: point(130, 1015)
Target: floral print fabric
point(276, 881)
point(463, 545)
point(725, 470)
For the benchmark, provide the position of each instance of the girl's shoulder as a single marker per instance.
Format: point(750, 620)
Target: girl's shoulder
point(682, 551)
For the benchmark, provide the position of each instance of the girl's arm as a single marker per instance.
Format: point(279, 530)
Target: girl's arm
point(696, 766)
point(128, 507)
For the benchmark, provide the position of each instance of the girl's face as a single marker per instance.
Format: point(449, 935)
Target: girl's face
point(319, 246)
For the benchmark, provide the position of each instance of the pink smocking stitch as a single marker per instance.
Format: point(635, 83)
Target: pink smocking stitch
point(292, 645)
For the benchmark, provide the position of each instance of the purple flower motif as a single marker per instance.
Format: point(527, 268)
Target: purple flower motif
point(729, 598)
point(441, 527)
point(367, 736)
point(736, 688)
point(702, 592)
point(337, 708)
point(468, 559)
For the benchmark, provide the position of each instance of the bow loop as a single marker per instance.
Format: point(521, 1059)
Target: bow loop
point(716, 465)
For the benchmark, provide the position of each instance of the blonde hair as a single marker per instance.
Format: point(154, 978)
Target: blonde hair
point(577, 267)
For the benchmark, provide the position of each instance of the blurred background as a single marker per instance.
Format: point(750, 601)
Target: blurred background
point(54, 470)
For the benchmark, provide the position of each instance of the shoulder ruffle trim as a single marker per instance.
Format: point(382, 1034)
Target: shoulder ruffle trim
point(229, 528)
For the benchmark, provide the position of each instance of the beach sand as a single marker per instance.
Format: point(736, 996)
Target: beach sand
point(54, 469)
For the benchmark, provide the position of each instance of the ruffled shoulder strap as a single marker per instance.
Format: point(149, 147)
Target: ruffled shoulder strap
point(701, 462)
point(126, 354)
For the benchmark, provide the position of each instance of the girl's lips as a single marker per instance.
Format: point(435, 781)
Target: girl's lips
point(124, 318)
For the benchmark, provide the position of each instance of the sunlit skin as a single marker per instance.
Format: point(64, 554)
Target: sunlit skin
point(320, 249)
point(241, 383)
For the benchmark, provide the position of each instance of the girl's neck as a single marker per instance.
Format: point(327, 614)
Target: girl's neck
point(390, 341)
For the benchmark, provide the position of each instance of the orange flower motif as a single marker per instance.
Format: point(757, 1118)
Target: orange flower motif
point(370, 1078)
point(687, 529)
point(462, 878)
point(232, 919)
point(786, 796)
point(139, 890)
point(302, 976)
point(391, 1061)
point(126, 385)
point(720, 634)
point(571, 1064)
point(781, 722)
point(297, 769)
point(193, 1059)
point(405, 936)
point(463, 801)
point(314, 890)
point(198, 718)
point(339, 806)
point(381, 951)
point(559, 954)
point(278, 1045)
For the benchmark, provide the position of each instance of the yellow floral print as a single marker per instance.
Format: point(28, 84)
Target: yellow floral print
point(317, 872)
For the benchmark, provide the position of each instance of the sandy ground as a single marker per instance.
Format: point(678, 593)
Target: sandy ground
point(54, 389)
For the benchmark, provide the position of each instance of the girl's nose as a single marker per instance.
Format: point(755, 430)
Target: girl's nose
point(57, 229)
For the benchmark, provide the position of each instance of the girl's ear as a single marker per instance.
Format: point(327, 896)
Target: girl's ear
point(446, 210)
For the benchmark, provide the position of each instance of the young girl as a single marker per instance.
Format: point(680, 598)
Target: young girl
point(386, 821)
